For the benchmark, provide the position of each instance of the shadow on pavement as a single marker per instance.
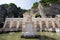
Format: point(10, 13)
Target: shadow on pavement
point(40, 37)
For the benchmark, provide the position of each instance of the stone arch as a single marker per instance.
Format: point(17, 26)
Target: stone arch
point(14, 25)
point(43, 24)
point(7, 25)
point(50, 24)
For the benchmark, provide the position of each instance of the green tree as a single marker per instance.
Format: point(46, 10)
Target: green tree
point(13, 10)
point(50, 1)
point(35, 5)
point(5, 6)
point(16, 11)
point(47, 2)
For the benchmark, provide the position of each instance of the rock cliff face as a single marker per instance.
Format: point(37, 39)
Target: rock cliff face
point(50, 10)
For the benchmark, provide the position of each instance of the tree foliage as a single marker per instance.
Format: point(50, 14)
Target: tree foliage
point(50, 1)
point(35, 5)
point(11, 10)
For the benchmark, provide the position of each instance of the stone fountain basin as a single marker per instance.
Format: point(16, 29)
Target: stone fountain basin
point(29, 34)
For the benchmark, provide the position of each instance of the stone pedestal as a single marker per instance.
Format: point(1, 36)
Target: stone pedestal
point(29, 30)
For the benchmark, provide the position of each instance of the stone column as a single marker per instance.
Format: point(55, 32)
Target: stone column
point(17, 24)
point(58, 29)
point(53, 24)
point(4, 24)
point(58, 24)
point(40, 25)
point(11, 23)
point(46, 24)
point(53, 29)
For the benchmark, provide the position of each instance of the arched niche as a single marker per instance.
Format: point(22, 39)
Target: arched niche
point(14, 25)
point(37, 25)
point(56, 24)
point(50, 24)
point(43, 24)
point(7, 25)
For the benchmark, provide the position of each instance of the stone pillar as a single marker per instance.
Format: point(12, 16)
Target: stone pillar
point(4, 24)
point(53, 24)
point(58, 24)
point(17, 24)
point(40, 25)
point(53, 29)
point(46, 24)
point(57, 21)
point(11, 24)
point(58, 29)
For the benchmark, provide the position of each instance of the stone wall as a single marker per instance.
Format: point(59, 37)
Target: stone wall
point(43, 23)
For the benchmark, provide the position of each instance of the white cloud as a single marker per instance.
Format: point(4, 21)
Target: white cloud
point(25, 4)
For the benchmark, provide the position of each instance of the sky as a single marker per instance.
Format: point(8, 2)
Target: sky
point(24, 4)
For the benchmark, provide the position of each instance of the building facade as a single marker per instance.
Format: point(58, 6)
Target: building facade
point(39, 23)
